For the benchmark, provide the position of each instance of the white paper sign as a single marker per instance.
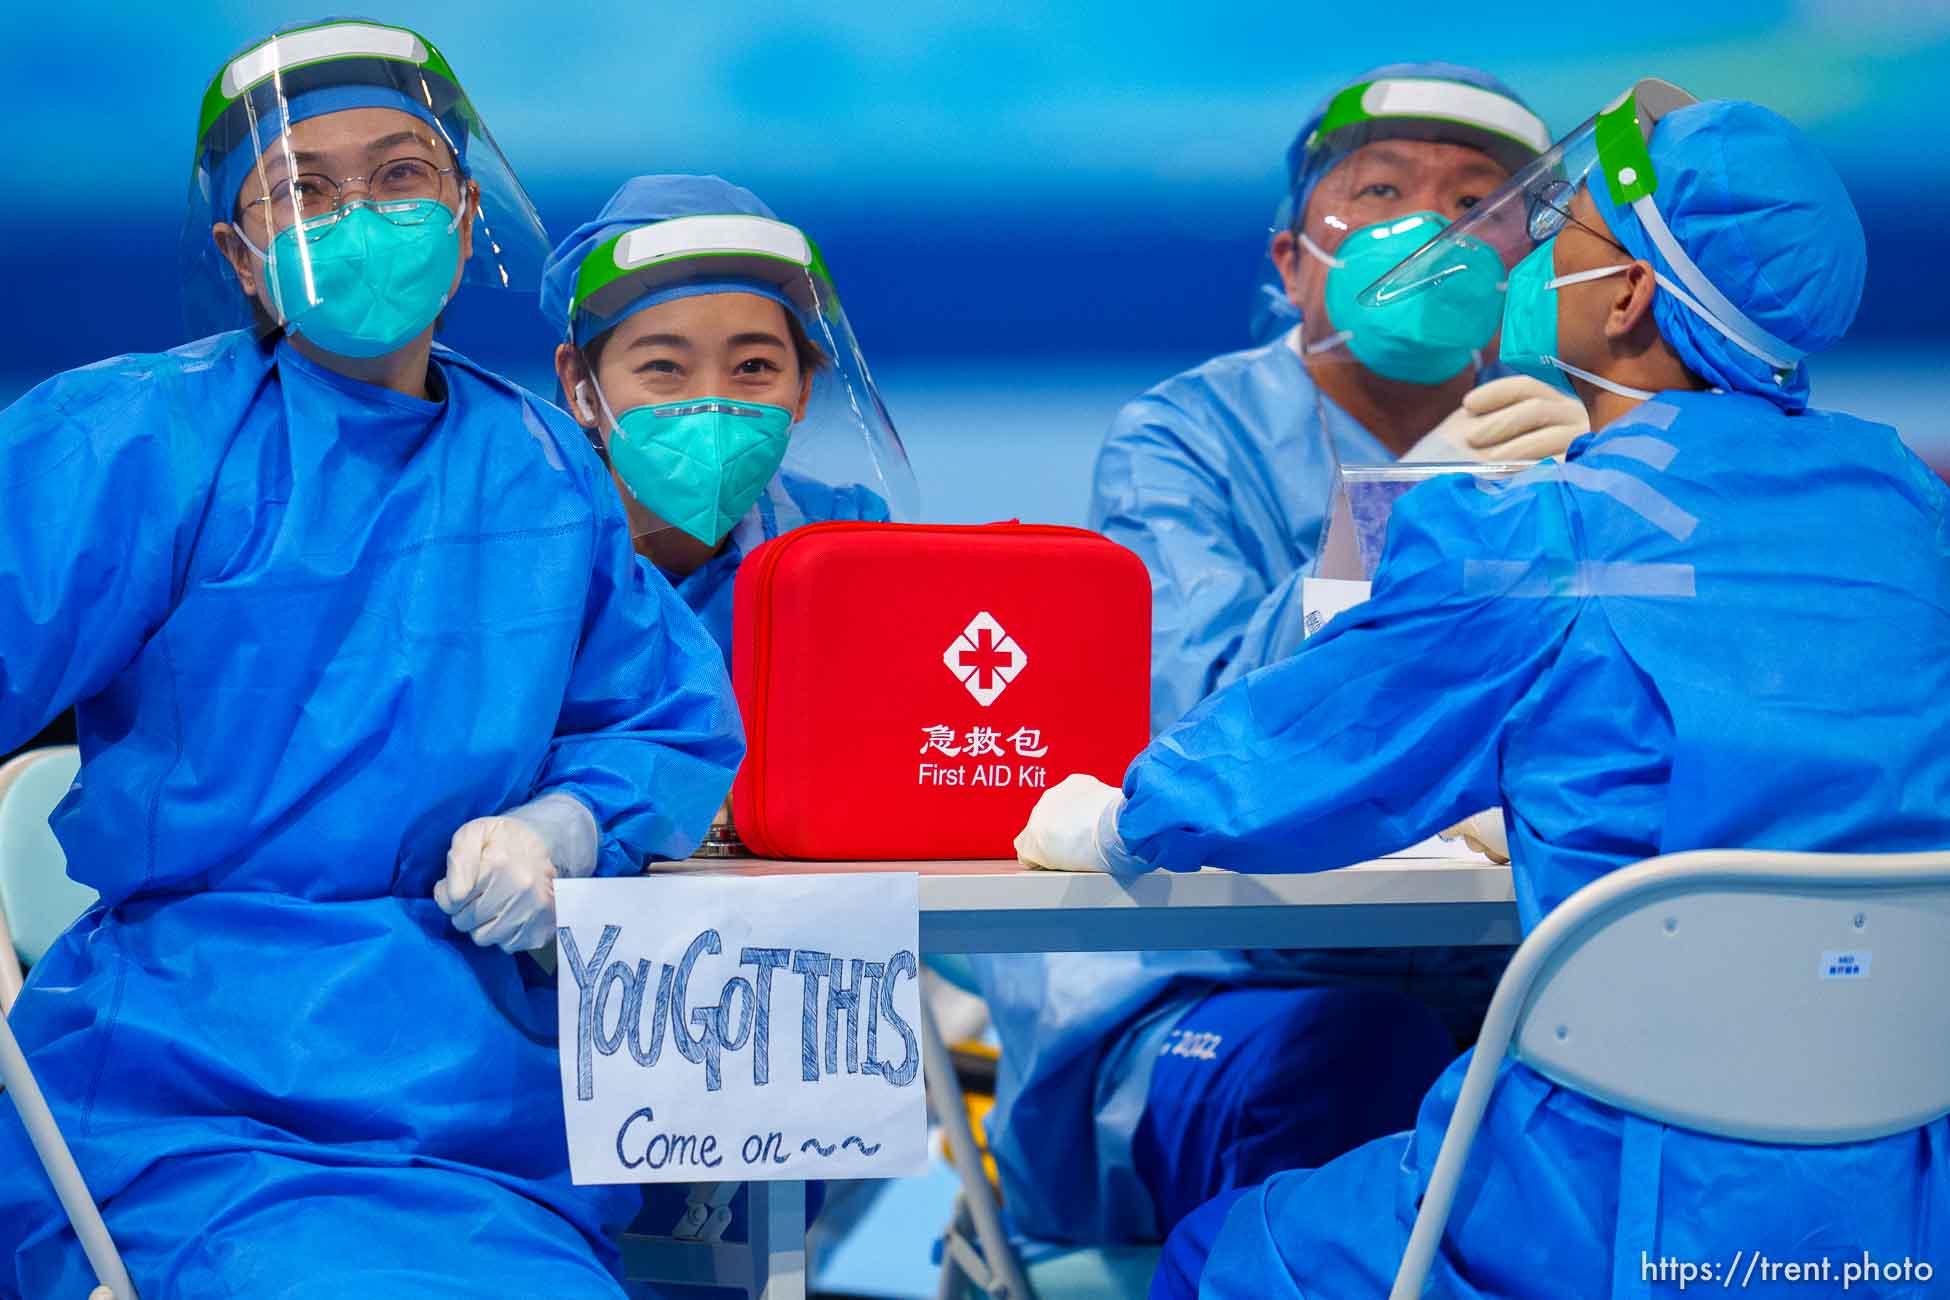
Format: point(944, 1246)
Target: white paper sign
point(720, 1028)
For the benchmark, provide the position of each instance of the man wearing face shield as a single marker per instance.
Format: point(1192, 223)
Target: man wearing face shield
point(705, 351)
point(1718, 623)
point(1220, 479)
point(362, 661)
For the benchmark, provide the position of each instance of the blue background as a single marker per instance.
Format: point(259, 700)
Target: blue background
point(1033, 211)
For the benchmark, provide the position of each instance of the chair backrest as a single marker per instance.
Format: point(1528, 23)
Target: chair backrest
point(36, 895)
point(1708, 989)
point(1689, 989)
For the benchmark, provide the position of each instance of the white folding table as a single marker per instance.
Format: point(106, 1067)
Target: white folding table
point(1413, 899)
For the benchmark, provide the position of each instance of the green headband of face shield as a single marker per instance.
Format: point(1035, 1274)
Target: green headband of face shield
point(288, 54)
point(1431, 108)
point(664, 255)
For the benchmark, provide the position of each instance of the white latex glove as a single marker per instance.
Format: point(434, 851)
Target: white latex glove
point(1073, 827)
point(1513, 418)
point(1485, 833)
point(500, 881)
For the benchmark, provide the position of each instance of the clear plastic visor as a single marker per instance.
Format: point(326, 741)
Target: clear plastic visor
point(684, 393)
point(348, 132)
point(1532, 207)
point(1372, 210)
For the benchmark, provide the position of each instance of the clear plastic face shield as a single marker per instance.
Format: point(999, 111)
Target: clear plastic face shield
point(343, 188)
point(712, 361)
point(1611, 148)
point(1403, 158)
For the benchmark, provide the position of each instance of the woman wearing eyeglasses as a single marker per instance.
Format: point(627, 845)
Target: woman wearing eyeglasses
point(363, 661)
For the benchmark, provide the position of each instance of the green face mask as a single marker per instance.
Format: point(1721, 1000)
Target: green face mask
point(700, 464)
point(1530, 318)
point(1419, 338)
point(377, 281)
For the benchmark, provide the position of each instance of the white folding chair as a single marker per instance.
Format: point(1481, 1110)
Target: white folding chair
point(15, 1077)
point(1686, 990)
point(10, 973)
point(37, 899)
point(978, 1256)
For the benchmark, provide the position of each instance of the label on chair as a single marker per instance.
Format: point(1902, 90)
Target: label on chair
point(725, 1028)
point(1849, 964)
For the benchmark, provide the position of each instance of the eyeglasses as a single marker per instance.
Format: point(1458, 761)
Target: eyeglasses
point(1550, 211)
point(395, 190)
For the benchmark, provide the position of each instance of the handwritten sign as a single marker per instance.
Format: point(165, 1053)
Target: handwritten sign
point(719, 1028)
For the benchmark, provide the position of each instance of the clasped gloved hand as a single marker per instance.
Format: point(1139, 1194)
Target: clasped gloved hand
point(1485, 833)
point(1513, 418)
point(1074, 828)
point(500, 881)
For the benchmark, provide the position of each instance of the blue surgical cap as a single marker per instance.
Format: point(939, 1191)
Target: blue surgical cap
point(229, 171)
point(643, 201)
point(1767, 221)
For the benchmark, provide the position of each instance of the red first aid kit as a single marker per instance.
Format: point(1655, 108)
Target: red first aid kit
point(910, 690)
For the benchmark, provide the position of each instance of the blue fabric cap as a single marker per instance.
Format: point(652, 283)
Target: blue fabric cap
point(1765, 218)
point(228, 172)
point(641, 201)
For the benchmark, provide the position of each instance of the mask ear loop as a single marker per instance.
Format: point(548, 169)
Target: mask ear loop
point(1637, 394)
point(1583, 277)
point(1328, 260)
point(1307, 242)
point(605, 423)
point(608, 423)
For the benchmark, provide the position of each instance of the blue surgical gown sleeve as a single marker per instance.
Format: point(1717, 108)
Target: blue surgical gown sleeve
point(94, 502)
point(649, 736)
point(1156, 494)
point(1386, 727)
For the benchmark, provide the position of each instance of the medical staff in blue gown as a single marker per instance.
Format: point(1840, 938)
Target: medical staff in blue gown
point(706, 353)
point(1220, 477)
point(362, 661)
point(1174, 1075)
point(715, 367)
point(1719, 622)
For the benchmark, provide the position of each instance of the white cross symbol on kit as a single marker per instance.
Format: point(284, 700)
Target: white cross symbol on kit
point(985, 658)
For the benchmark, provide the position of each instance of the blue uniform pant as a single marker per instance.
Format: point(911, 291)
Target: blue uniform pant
point(1254, 1081)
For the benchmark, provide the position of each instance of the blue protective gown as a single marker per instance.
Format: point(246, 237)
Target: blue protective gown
point(790, 501)
point(312, 627)
point(1220, 479)
point(1643, 650)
